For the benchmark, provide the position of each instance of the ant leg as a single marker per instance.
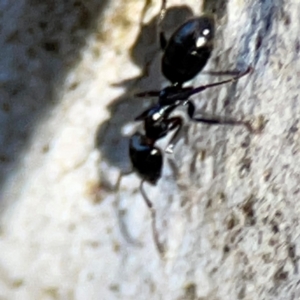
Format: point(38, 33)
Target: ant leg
point(144, 11)
point(215, 120)
point(120, 213)
point(162, 41)
point(233, 79)
point(222, 73)
point(147, 94)
point(160, 247)
point(143, 115)
point(175, 122)
point(163, 10)
point(162, 38)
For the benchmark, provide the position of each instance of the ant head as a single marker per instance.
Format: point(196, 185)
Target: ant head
point(146, 159)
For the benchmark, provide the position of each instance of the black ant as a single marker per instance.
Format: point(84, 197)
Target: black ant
point(185, 54)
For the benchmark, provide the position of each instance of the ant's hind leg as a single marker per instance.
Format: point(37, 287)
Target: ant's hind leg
point(233, 79)
point(227, 72)
point(163, 9)
point(162, 38)
point(160, 247)
point(120, 214)
point(147, 94)
point(215, 120)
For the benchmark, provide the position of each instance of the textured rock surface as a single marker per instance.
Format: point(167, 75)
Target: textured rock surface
point(228, 210)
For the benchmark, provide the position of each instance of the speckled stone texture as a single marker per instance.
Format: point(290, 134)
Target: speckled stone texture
point(228, 204)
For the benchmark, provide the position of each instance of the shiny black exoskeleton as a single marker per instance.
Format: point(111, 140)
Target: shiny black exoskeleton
point(142, 149)
point(185, 55)
point(188, 50)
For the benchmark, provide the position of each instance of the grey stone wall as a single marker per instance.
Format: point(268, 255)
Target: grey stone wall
point(228, 202)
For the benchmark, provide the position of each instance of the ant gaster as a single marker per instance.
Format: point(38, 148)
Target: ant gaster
point(185, 54)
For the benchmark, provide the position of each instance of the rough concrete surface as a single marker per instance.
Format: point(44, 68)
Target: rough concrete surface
point(228, 204)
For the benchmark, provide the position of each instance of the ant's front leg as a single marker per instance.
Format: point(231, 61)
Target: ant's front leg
point(175, 122)
point(215, 120)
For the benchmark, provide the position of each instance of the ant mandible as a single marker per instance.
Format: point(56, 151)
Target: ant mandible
point(184, 55)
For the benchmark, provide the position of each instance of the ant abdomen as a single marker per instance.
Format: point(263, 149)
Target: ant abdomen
point(188, 49)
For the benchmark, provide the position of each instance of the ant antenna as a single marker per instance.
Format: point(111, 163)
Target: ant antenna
point(120, 213)
point(160, 247)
